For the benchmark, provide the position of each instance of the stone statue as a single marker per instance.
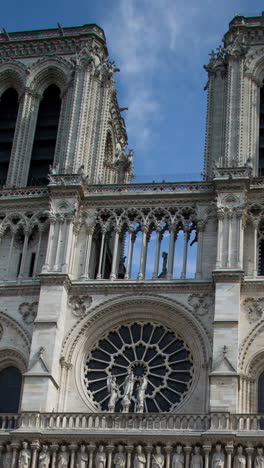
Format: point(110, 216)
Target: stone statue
point(63, 457)
point(143, 383)
point(100, 457)
point(239, 459)
point(128, 390)
point(120, 457)
point(196, 459)
point(82, 457)
point(218, 459)
point(24, 456)
point(157, 458)
point(7, 457)
point(259, 460)
point(178, 458)
point(44, 457)
point(139, 458)
point(113, 390)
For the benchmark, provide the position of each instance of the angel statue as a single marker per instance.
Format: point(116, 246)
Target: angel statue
point(113, 390)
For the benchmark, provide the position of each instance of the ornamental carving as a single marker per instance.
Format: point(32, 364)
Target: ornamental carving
point(201, 303)
point(79, 305)
point(28, 311)
point(254, 308)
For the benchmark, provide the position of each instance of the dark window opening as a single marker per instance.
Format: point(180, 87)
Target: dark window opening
point(32, 264)
point(10, 388)
point(19, 264)
point(261, 133)
point(8, 116)
point(45, 137)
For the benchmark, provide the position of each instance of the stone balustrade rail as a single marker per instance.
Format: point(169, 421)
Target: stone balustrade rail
point(104, 422)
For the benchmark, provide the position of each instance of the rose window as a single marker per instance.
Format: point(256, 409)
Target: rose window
point(144, 350)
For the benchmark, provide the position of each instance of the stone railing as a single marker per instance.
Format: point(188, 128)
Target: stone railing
point(27, 192)
point(167, 187)
point(104, 422)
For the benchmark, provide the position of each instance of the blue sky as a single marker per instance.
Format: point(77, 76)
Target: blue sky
point(160, 47)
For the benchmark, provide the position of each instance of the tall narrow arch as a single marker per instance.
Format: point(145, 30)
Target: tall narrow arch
point(261, 393)
point(45, 136)
point(8, 117)
point(109, 173)
point(261, 132)
point(10, 389)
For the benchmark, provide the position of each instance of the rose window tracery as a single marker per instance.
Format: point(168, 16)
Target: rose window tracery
point(145, 351)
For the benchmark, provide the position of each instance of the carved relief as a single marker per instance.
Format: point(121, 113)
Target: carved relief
point(201, 303)
point(28, 311)
point(79, 304)
point(254, 308)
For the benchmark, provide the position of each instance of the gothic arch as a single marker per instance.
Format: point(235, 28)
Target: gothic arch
point(12, 75)
point(255, 67)
point(120, 311)
point(50, 70)
point(14, 338)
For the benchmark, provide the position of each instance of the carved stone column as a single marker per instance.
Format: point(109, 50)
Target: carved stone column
point(148, 450)
point(220, 217)
point(113, 273)
point(131, 242)
point(129, 451)
point(185, 253)
point(143, 254)
point(109, 449)
point(54, 449)
point(187, 451)
point(88, 248)
point(171, 252)
point(15, 447)
point(200, 233)
point(60, 244)
point(229, 239)
point(49, 253)
point(24, 255)
point(72, 448)
point(168, 450)
point(99, 273)
point(157, 254)
point(207, 449)
point(229, 450)
point(34, 451)
point(255, 243)
point(91, 450)
point(249, 452)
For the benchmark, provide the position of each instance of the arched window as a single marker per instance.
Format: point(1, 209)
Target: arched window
point(108, 160)
point(8, 116)
point(45, 136)
point(10, 388)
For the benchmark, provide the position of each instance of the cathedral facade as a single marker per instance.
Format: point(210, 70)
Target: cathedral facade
point(131, 315)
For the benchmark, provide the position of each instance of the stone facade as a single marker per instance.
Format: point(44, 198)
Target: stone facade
point(133, 311)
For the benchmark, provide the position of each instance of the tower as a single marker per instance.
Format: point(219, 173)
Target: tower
point(131, 314)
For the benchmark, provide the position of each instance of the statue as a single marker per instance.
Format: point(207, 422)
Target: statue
point(82, 457)
point(44, 457)
point(63, 457)
point(24, 456)
point(178, 458)
point(120, 457)
point(239, 459)
point(7, 457)
point(157, 458)
point(100, 457)
point(141, 389)
point(196, 459)
point(128, 390)
point(113, 390)
point(259, 460)
point(218, 459)
point(139, 458)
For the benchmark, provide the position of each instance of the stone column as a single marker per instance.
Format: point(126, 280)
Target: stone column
point(200, 233)
point(255, 243)
point(185, 253)
point(15, 446)
point(249, 452)
point(72, 448)
point(143, 254)
point(49, 253)
point(171, 252)
point(187, 451)
point(54, 449)
point(157, 254)
point(229, 450)
point(229, 239)
point(91, 449)
point(148, 450)
point(168, 450)
point(68, 243)
point(131, 242)
point(24, 255)
point(34, 451)
point(99, 273)
point(113, 273)
point(129, 450)
point(109, 450)
point(87, 257)
point(60, 244)
point(37, 252)
point(10, 253)
point(207, 450)
point(220, 217)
